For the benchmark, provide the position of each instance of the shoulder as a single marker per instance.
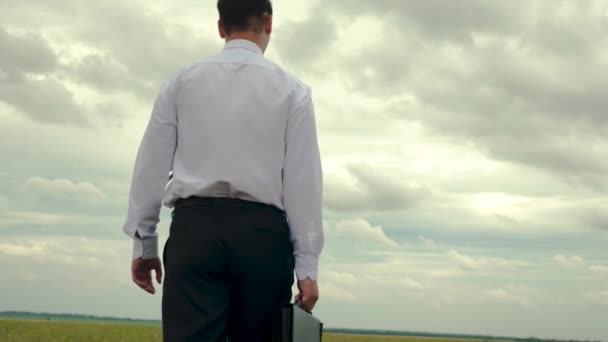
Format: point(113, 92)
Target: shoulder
point(192, 68)
point(178, 76)
point(300, 91)
point(296, 84)
point(170, 83)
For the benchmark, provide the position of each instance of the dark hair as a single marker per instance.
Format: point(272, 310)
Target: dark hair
point(243, 15)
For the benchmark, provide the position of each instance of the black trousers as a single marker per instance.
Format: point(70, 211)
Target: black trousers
point(229, 267)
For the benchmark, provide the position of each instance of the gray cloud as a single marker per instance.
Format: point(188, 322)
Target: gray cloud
point(103, 73)
point(111, 114)
point(63, 190)
point(450, 20)
point(373, 191)
point(136, 50)
point(597, 219)
point(45, 100)
point(27, 63)
point(61, 196)
point(25, 53)
point(300, 43)
point(519, 107)
point(43, 206)
point(130, 52)
point(521, 83)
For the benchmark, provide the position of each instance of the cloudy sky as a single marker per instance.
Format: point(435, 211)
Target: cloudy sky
point(463, 147)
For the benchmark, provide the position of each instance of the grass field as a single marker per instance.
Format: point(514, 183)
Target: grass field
point(56, 331)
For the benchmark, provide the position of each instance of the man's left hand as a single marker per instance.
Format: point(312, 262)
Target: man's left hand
point(141, 271)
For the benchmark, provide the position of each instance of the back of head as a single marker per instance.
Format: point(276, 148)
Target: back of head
point(243, 15)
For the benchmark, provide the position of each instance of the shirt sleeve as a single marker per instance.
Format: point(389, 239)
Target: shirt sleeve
point(152, 166)
point(303, 186)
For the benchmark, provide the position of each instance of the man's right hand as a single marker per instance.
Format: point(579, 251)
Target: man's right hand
point(309, 294)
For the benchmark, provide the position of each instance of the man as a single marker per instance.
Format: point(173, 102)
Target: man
point(238, 135)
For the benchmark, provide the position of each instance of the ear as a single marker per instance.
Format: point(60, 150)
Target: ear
point(221, 29)
point(268, 24)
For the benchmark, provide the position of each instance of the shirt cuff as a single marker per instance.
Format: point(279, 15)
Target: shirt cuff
point(307, 266)
point(145, 248)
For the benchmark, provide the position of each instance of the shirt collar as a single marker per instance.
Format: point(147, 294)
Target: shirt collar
point(243, 44)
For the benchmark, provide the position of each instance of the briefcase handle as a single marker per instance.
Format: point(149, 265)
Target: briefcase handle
point(297, 302)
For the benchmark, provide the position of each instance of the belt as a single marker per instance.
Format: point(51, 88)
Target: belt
point(225, 202)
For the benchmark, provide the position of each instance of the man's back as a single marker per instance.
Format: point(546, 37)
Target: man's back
point(232, 112)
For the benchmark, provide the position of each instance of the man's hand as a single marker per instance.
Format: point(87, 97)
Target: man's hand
point(141, 272)
point(309, 294)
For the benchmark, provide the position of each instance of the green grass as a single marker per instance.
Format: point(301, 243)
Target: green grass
point(353, 338)
point(56, 331)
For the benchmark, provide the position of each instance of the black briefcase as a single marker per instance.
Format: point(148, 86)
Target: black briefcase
point(297, 325)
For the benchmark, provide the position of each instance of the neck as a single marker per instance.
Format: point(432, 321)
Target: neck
point(249, 35)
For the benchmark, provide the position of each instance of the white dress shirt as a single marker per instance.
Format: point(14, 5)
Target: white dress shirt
point(231, 125)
